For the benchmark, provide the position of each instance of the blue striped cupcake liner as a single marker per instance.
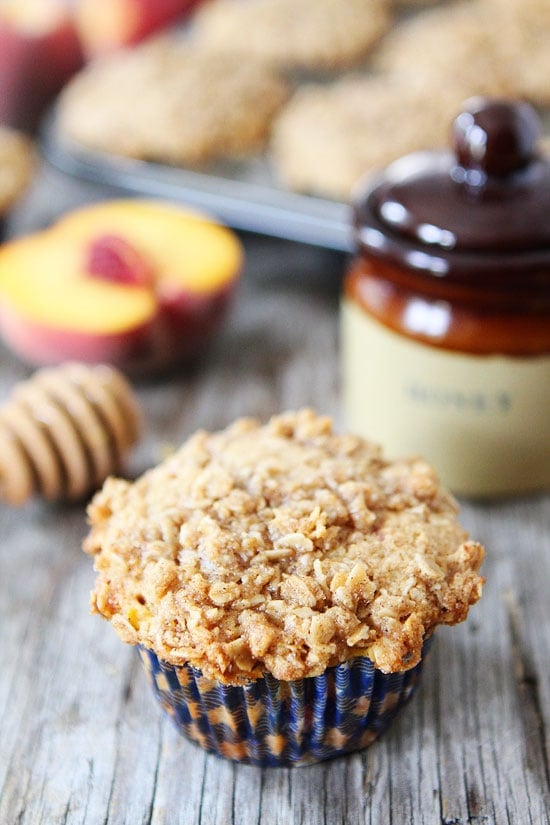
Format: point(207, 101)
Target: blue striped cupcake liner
point(271, 723)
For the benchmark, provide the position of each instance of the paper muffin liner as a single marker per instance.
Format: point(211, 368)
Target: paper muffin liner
point(273, 723)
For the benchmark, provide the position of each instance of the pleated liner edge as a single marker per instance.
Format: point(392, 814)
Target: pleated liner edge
point(272, 723)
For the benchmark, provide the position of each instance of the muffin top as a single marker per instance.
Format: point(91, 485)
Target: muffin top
point(281, 549)
point(193, 106)
point(324, 34)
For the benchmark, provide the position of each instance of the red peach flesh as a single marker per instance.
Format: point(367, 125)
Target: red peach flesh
point(114, 259)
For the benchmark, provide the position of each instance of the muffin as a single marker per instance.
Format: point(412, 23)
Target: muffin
point(500, 46)
point(330, 135)
point(325, 35)
point(193, 106)
point(16, 169)
point(283, 583)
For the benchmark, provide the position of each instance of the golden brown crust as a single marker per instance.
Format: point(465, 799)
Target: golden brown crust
point(488, 46)
point(17, 163)
point(311, 34)
point(329, 136)
point(169, 102)
point(281, 549)
point(522, 42)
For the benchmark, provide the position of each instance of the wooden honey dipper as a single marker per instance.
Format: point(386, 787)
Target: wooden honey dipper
point(64, 431)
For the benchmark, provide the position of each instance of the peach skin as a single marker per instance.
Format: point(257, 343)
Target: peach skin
point(105, 25)
point(138, 284)
point(39, 51)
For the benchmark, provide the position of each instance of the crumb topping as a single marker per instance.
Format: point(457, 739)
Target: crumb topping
point(193, 106)
point(324, 35)
point(283, 548)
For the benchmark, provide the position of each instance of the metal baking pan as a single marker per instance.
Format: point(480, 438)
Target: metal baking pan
point(241, 195)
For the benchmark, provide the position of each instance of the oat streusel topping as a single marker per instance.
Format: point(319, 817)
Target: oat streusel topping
point(324, 34)
point(169, 102)
point(282, 548)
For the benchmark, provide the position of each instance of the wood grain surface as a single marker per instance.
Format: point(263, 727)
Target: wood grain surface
point(81, 738)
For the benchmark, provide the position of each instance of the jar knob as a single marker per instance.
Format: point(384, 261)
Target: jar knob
point(494, 137)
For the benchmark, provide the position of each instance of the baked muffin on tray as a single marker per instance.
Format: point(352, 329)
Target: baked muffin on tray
point(330, 135)
point(312, 34)
point(170, 102)
point(17, 165)
point(500, 43)
point(283, 583)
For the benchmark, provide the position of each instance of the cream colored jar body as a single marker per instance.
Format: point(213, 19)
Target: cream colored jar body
point(481, 415)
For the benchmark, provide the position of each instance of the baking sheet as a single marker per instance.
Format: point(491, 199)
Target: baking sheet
point(241, 195)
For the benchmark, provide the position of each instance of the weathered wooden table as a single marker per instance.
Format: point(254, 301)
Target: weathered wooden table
point(81, 739)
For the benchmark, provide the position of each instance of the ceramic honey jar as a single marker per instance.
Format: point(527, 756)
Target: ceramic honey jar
point(446, 307)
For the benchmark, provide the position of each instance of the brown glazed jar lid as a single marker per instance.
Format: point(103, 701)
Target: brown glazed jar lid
point(477, 215)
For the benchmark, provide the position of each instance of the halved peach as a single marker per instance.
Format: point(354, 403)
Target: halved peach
point(138, 284)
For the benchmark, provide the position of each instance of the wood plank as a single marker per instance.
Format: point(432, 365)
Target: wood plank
point(81, 739)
